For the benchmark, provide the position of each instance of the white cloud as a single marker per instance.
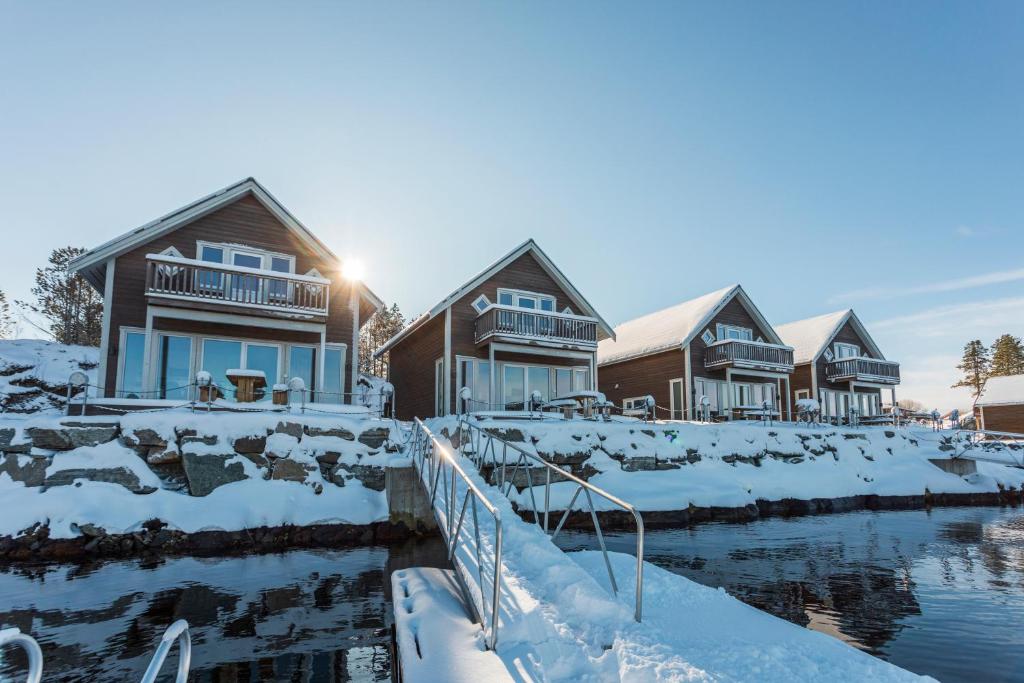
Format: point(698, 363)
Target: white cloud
point(966, 231)
point(998, 277)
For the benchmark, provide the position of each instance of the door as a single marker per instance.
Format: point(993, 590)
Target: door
point(245, 288)
point(302, 364)
point(513, 387)
point(675, 399)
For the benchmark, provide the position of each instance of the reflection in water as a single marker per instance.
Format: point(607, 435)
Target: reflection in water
point(318, 615)
point(938, 592)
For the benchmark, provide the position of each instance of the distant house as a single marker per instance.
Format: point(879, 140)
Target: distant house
point(839, 364)
point(518, 327)
point(1001, 405)
point(717, 347)
point(232, 280)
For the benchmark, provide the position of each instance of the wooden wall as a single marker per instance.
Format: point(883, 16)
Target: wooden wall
point(1001, 418)
point(847, 335)
point(642, 376)
point(412, 369)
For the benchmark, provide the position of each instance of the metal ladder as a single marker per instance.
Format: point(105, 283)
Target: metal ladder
point(178, 631)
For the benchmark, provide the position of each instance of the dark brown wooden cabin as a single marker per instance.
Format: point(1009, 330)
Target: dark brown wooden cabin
point(232, 280)
point(1001, 405)
point(518, 327)
point(839, 364)
point(718, 346)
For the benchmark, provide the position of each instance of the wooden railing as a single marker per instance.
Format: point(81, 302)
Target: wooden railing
point(188, 279)
point(865, 369)
point(749, 354)
point(509, 321)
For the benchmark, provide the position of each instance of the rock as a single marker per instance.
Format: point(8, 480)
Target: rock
point(144, 437)
point(206, 439)
point(250, 444)
point(288, 470)
point(72, 435)
point(339, 432)
point(91, 530)
point(639, 464)
point(508, 434)
point(289, 428)
point(280, 446)
point(371, 476)
point(375, 437)
point(257, 459)
point(28, 470)
point(328, 458)
point(205, 473)
point(112, 475)
point(161, 455)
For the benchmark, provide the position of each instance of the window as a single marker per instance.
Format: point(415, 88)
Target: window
point(302, 364)
point(514, 387)
point(538, 379)
point(174, 366)
point(245, 257)
point(734, 332)
point(708, 338)
point(221, 355)
point(481, 303)
point(581, 380)
point(474, 374)
point(439, 387)
point(829, 355)
point(133, 350)
point(847, 350)
point(567, 311)
point(334, 377)
point(519, 299)
point(675, 394)
point(563, 381)
point(802, 393)
point(705, 388)
point(636, 403)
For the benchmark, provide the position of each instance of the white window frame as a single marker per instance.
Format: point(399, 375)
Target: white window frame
point(635, 403)
point(672, 407)
point(119, 378)
point(840, 347)
point(243, 358)
point(481, 303)
point(829, 356)
point(802, 393)
point(156, 355)
point(230, 250)
point(536, 297)
point(725, 331)
point(708, 337)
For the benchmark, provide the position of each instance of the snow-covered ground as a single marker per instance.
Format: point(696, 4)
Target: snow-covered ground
point(34, 373)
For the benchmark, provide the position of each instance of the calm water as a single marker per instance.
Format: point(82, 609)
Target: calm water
point(318, 615)
point(939, 593)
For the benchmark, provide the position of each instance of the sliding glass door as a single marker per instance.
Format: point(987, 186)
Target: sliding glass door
point(221, 355)
point(174, 366)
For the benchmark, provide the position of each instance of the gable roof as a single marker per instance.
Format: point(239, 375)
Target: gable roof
point(1006, 390)
point(527, 247)
point(674, 327)
point(811, 336)
point(93, 264)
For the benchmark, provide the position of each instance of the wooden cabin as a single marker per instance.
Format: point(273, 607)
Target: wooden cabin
point(838, 363)
point(517, 327)
point(717, 347)
point(230, 281)
point(1001, 405)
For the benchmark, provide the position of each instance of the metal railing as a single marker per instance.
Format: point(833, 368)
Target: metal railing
point(189, 279)
point(867, 369)
point(740, 353)
point(13, 636)
point(510, 321)
point(504, 455)
point(441, 473)
point(176, 632)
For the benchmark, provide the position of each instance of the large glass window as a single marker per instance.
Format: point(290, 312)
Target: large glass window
point(263, 357)
point(132, 358)
point(334, 365)
point(514, 387)
point(847, 350)
point(581, 380)
point(302, 363)
point(482, 387)
point(563, 381)
point(208, 279)
point(734, 332)
point(538, 379)
point(174, 361)
point(219, 356)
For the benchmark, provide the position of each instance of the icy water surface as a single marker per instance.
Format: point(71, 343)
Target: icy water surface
point(938, 593)
point(306, 615)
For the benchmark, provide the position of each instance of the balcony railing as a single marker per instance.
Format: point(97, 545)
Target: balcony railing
point(171, 277)
point(749, 354)
point(530, 325)
point(863, 370)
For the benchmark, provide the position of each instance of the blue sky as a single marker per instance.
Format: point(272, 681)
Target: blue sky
point(824, 155)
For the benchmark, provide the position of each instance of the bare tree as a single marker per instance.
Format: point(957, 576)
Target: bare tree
point(73, 309)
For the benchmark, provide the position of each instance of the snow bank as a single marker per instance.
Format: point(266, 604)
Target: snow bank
point(34, 373)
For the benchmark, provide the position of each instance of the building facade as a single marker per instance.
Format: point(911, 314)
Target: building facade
point(1001, 405)
point(518, 327)
point(230, 281)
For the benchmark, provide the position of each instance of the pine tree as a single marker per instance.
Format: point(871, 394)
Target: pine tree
point(6, 320)
point(974, 365)
point(384, 324)
point(1007, 356)
point(72, 307)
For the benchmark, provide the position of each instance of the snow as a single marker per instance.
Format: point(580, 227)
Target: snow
point(437, 643)
point(1002, 391)
point(25, 364)
point(244, 372)
point(809, 336)
point(662, 330)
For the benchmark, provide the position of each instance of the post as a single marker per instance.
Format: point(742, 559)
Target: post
point(789, 401)
point(147, 354)
point(354, 305)
point(321, 362)
point(492, 399)
point(728, 394)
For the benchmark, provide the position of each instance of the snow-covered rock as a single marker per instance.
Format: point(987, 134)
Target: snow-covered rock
point(34, 373)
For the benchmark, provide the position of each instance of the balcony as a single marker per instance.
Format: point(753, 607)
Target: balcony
point(749, 355)
point(192, 282)
point(526, 326)
point(863, 370)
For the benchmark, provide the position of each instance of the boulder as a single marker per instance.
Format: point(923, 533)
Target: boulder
point(508, 434)
point(639, 463)
point(288, 470)
point(72, 435)
point(372, 477)
point(289, 428)
point(143, 437)
point(205, 473)
point(28, 470)
point(339, 432)
point(111, 475)
point(206, 439)
point(250, 444)
point(161, 455)
point(328, 457)
point(374, 437)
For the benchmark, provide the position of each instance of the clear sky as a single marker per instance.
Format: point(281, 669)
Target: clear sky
point(824, 155)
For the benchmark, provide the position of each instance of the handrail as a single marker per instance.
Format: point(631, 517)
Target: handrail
point(434, 461)
point(479, 456)
point(14, 636)
point(727, 351)
point(535, 324)
point(178, 631)
point(884, 370)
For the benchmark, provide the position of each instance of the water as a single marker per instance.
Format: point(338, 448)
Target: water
point(309, 615)
point(938, 593)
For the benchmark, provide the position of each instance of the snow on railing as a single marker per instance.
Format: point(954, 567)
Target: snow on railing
point(748, 353)
point(872, 369)
point(517, 322)
point(483, 444)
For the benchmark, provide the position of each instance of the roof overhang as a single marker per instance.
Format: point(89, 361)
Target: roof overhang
point(862, 332)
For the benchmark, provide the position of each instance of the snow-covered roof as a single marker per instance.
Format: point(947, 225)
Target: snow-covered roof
point(809, 337)
point(92, 264)
point(674, 327)
point(1002, 391)
point(546, 263)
